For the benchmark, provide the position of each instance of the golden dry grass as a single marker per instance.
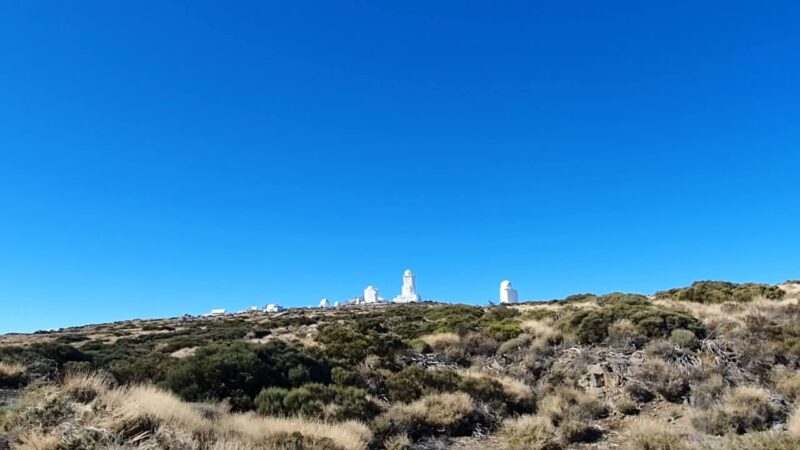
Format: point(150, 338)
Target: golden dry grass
point(646, 434)
point(253, 429)
point(439, 341)
point(787, 383)
point(513, 387)
point(544, 334)
point(133, 404)
point(529, 432)
point(571, 403)
point(11, 369)
point(441, 410)
point(37, 440)
point(793, 425)
point(126, 410)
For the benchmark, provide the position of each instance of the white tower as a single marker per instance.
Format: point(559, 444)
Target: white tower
point(323, 303)
point(408, 294)
point(370, 295)
point(507, 293)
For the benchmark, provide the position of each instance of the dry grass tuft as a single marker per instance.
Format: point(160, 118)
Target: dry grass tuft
point(513, 387)
point(84, 387)
point(11, 369)
point(572, 404)
point(648, 434)
point(529, 432)
point(663, 378)
point(397, 442)
point(136, 407)
point(37, 440)
point(787, 383)
point(437, 410)
point(11, 373)
point(440, 341)
point(793, 425)
point(255, 429)
point(543, 334)
point(741, 410)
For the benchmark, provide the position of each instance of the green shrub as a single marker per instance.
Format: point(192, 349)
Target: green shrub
point(413, 382)
point(314, 400)
point(238, 371)
point(591, 326)
point(722, 291)
point(350, 343)
point(684, 339)
point(269, 402)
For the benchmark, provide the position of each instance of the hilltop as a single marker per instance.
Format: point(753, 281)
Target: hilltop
point(712, 365)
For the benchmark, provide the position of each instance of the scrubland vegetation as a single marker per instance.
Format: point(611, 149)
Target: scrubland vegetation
point(715, 365)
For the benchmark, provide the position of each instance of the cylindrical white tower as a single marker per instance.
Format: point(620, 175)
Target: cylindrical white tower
point(507, 293)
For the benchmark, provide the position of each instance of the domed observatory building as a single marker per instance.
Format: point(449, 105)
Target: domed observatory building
point(408, 294)
point(507, 293)
point(371, 295)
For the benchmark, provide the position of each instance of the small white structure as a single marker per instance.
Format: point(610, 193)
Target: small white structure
point(323, 303)
point(218, 312)
point(371, 295)
point(336, 304)
point(273, 308)
point(408, 294)
point(507, 293)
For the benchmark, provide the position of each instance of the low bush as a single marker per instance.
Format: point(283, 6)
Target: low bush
point(740, 410)
point(351, 343)
point(238, 371)
point(684, 339)
point(397, 442)
point(316, 400)
point(722, 291)
point(450, 413)
point(638, 392)
point(664, 378)
point(765, 440)
point(787, 383)
point(627, 406)
point(12, 374)
point(503, 394)
point(591, 326)
point(652, 435)
point(707, 392)
point(529, 433)
point(572, 404)
point(413, 382)
point(624, 333)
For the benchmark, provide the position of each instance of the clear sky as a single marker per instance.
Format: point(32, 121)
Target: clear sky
point(162, 157)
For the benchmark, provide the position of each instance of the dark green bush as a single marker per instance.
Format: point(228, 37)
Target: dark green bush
point(413, 382)
point(591, 326)
point(345, 403)
point(722, 291)
point(239, 371)
point(351, 342)
point(684, 339)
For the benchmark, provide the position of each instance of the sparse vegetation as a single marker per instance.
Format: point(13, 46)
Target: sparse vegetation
point(710, 366)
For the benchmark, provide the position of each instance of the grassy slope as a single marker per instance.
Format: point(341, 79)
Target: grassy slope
point(714, 365)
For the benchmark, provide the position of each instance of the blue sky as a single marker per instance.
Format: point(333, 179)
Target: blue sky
point(162, 157)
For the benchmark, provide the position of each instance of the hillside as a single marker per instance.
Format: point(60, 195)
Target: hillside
point(714, 365)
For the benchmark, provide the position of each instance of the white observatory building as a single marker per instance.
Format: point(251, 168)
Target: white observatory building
point(408, 294)
point(507, 293)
